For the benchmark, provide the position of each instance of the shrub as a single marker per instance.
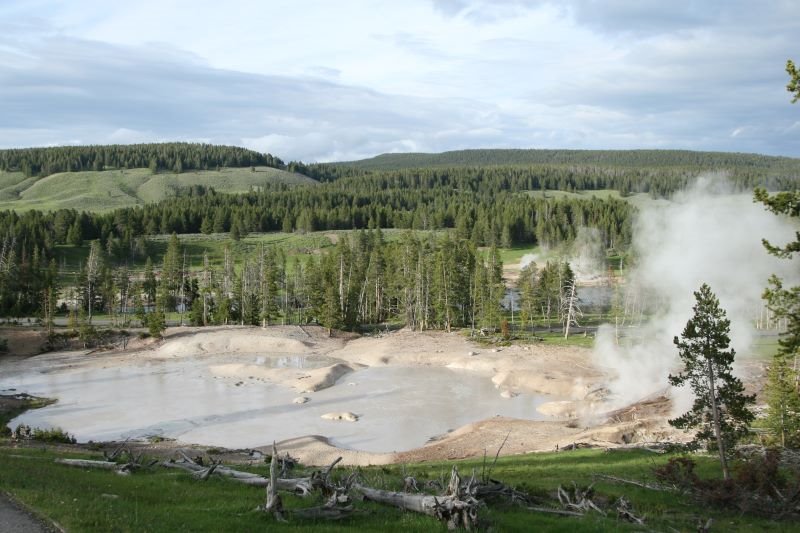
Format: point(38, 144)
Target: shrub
point(52, 435)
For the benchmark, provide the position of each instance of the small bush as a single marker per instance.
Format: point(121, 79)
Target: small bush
point(760, 485)
point(52, 435)
point(678, 472)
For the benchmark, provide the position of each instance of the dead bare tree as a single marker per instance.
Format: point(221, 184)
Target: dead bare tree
point(570, 306)
point(274, 503)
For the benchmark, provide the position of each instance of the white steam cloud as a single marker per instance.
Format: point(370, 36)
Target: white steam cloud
point(588, 255)
point(705, 235)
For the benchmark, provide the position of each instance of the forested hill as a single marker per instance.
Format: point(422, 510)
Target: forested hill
point(605, 158)
point(176, 157)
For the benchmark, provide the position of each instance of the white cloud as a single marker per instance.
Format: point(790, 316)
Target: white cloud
point(385, 75)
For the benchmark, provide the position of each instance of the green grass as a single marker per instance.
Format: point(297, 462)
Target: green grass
point(513, 255)
point(763, 347)
point(69, 257)
point(299, 245)
point(168, 500)
point(112, 189)
point(637, 199)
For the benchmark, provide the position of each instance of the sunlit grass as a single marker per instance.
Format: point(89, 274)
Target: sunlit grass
point(111, 189)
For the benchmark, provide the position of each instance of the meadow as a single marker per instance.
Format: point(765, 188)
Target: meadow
point(107, 190)
point(158, 499)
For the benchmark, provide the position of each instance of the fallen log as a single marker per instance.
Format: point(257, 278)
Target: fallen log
point(121, 469)
point(86, 463)
point(419, 503)
point(300, 486)
point(450, 508)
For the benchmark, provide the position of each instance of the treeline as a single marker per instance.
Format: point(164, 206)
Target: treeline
point(424, 282)
point(593, 158)
point(657, 182)
point(175, 157)
point(486, 218)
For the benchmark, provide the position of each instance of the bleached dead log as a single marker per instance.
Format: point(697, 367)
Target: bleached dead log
point(419, 503)
point(116, 452)
point(410, 484)
point(454, 508)
point(274, 503)
point(581, 501)
point(299, 486)
point(86, 463)
point(208, 471)
point(121, 469)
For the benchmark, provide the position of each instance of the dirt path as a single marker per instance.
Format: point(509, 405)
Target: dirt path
point(14, 519)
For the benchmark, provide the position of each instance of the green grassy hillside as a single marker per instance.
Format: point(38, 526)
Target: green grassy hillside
point(111, 189)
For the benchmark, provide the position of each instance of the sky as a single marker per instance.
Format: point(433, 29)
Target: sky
point(324, 80)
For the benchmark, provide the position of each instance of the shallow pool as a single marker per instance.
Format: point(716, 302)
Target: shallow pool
point(399, 408)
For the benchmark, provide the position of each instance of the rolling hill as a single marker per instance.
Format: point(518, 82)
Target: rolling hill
point(111, 189)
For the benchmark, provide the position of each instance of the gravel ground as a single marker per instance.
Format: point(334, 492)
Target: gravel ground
point(14, 519)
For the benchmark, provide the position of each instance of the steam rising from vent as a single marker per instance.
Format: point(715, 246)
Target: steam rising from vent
point(704, 235)
point(588, 255)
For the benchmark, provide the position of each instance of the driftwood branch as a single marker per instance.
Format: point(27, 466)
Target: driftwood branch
point(122, 469)
point(625, 512)
point(274, 503)
point(559, 512)
point(580, 501)
point(299, 486)
point(639, 484)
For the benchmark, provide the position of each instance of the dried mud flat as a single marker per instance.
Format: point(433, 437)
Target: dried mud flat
point(563, 372)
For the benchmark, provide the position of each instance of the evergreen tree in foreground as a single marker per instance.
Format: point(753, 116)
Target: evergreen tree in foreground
point(783, 385)
point(720, 410)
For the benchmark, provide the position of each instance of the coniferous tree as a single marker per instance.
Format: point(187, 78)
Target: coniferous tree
point(720, 410)
point(783, 402)
point(783, 385)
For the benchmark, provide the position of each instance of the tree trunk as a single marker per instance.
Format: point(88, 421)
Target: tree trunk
point(715, 413)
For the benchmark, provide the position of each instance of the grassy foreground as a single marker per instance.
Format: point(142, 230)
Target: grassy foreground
point(167, 500)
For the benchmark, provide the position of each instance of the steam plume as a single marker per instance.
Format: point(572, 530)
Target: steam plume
point(704, 235)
